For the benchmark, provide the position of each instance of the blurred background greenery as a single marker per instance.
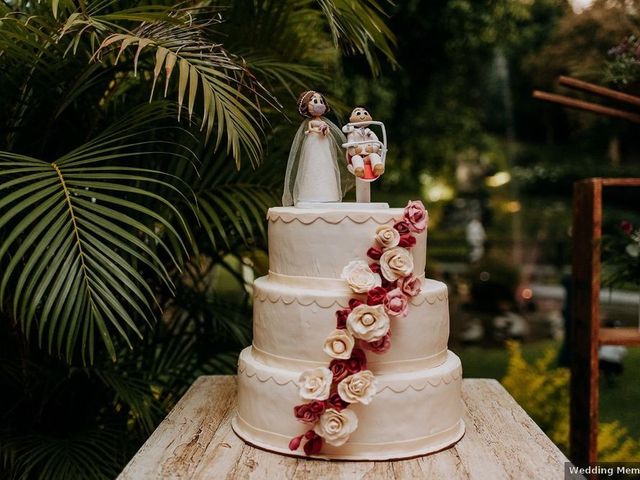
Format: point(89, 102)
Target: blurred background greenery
point(451, 80)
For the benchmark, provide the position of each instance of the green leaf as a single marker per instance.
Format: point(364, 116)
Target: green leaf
point(80, 240)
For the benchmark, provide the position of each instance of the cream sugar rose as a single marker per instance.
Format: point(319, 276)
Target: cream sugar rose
point(349, 358)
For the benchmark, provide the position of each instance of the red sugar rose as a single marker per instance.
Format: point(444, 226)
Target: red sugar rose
point(336, 402)
point(341, 318)
point(357, 362)
point(294, 444)
point(353, 303)
point(386, 284)
point(626, 227)
point(309, 412)
point(402, 227)
point(379, 346)
point(376, 296)
point(375, 253)
point(314, 445)
point(339, 370)
point(407, 241)
point(375, 267)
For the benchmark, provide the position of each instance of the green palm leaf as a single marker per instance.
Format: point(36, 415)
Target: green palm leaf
point(88, 454)
point(232, 205)
point(229, 93)
point(77, 234)
point(359, 28)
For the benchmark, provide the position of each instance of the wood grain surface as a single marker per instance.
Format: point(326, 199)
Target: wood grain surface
point(196, 441)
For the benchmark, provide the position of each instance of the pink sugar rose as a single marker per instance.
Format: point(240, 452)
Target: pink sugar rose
point(410, 285)
point(416, 215)
point(376, 296)
point(396, 303)
point(407, 241)
point(309, 412)
point(379, 346)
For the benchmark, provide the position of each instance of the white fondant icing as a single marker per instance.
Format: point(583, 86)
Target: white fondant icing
point(343, 205)
point(413, 413)
point(417, 408)
point(291, 324)
point(320, 242)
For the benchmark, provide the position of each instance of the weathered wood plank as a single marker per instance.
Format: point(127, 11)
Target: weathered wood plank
point(515, 443)
point(629, 336)
point(196, 442)
point(177, 445)
point(585, 322)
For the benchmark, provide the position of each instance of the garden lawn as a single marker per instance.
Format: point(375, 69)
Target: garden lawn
point(618, 402)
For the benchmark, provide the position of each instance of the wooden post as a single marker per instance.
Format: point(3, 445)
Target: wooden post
point(587, 231)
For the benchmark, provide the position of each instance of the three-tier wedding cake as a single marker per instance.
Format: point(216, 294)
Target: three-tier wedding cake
point(349, 357)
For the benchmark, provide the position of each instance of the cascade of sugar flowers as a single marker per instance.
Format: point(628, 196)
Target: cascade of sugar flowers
point(384, 286)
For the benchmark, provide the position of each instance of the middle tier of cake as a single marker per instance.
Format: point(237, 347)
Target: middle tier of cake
point(291, 323)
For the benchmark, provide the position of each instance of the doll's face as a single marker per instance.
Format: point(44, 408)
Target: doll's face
point(360, 114)
point(316, 105)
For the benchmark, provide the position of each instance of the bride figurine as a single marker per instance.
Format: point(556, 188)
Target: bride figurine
point(315, 170)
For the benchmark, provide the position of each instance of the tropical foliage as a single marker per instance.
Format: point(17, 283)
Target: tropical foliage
point(132, 203)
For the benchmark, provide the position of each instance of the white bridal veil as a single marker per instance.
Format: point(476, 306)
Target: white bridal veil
point(304, 158)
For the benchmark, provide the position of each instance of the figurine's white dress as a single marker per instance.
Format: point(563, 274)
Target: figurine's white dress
point(316, 170)
point(318, 179)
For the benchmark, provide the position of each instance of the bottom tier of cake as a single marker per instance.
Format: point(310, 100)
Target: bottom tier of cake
point(413, 413)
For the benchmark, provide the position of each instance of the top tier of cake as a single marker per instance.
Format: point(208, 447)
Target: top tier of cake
point(320, 242)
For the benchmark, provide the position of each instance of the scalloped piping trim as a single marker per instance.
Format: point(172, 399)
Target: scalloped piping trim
point(457, 375)
point(359, 219)
point(242, 368)
point(379, 367)
point(329, 303)
point(419, 387)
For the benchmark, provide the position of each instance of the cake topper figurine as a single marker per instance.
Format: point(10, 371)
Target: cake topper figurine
point(315, 170)
point(365, 152)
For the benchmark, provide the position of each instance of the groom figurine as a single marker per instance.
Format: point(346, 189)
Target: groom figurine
point(366, 153)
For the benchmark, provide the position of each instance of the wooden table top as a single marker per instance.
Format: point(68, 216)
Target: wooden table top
point(196, 441)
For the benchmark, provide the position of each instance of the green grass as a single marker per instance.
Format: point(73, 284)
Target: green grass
point(619, 402)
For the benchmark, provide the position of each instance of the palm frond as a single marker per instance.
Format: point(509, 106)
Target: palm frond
point(286, 74)
point(89, 454)
point(76, 233)
point(234, 212)
point(229, 93)
point(359, 28)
